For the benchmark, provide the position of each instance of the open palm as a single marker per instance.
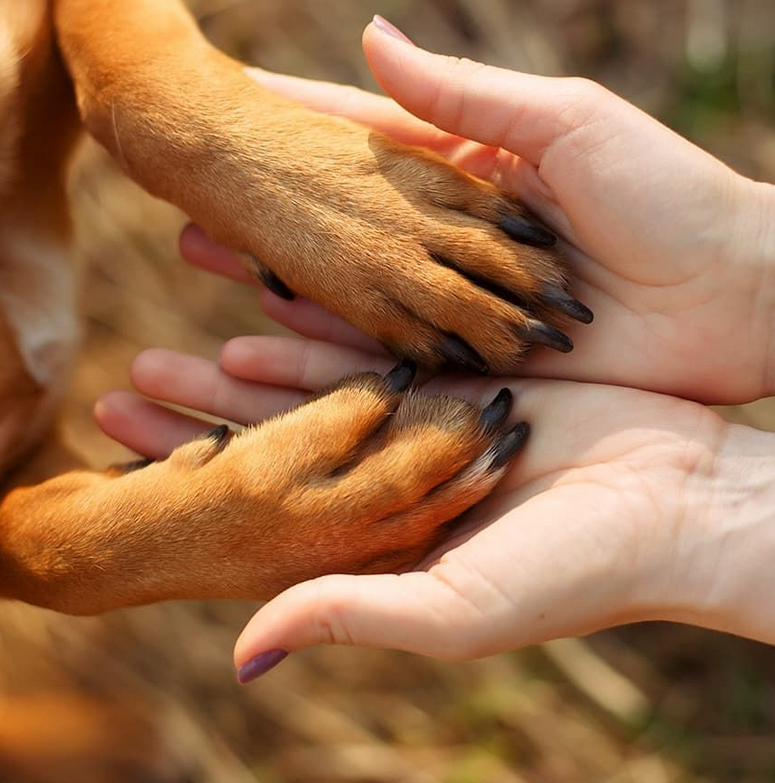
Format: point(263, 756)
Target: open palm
point(619, 508)
point(574, 538)
point(588, 529)
point(669, 247)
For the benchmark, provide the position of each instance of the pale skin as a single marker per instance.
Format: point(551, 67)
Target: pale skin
point(627, 504)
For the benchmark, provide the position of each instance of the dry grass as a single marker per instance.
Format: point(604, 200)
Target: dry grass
point(650, 703)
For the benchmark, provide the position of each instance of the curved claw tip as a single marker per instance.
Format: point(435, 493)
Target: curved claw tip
point(461, 355)
point(557, 297)
point(275, 285)
point(510, 444)
point(266, 276)
point(130, 467)
point(401, 376)
point(498, 410)
point(539, 333)
point(219, 435)
point(527, 233)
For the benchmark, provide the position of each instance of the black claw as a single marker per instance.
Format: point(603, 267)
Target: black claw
point(219, 435)
point(267, 277)
point(510, 444)
point(497, 411)
point(460, 354)
point(521, 229)
point(539, 333)
point(131, 467)
point(274, 284)
point(401, 376)
point(557, 297)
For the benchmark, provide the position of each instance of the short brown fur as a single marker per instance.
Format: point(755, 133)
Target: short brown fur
point(361, 479)
point(364, 477)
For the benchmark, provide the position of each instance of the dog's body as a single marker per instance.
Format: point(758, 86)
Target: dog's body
point(345, 217)
point(38, 329)
point(407, 248)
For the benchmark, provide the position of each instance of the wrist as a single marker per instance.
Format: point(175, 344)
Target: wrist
point(752, 247)
point(722, 575)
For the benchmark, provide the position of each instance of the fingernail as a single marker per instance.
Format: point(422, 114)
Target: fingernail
point(259, 665)
point(386, 27)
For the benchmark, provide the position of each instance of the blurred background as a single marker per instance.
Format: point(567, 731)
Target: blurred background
point(651, 703)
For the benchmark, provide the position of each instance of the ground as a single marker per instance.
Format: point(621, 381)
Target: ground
point(651, 703)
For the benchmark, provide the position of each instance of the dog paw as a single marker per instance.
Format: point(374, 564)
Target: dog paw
point(438, 265)
point(363, 478)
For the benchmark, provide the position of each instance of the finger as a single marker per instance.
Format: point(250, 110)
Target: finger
point(520, 112)
point(578, 134)
point(386, 116)
point(143, 426)
point(512, 584)
point(200, 250)
point(201, 385)
point(311, 320)
point(412, 612)
point(291, 362)
point(361, 106)
point(258, 377)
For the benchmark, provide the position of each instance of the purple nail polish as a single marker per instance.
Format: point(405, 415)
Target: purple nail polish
point(386, 27)
point(259, 665)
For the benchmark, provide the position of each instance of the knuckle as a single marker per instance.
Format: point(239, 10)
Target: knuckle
point(582, 99)
point(452, 64)
point(351, 99)
point(452, 86)
point(467, 67)
point(586, 90)
point(462, 71)
point(460, 633)
point(329, 613)
point(583, 106)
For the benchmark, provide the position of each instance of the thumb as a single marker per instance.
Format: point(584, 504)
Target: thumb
point(607, 164)
point(522, 113)
point(415, 612)
point(555, 121)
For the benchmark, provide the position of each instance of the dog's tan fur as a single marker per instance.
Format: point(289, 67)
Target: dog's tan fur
point(361, 479)
point(38, 128)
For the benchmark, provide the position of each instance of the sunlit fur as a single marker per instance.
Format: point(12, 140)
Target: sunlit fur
point(361, 479)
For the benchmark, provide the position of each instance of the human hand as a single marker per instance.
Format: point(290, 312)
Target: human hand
point(625, 505)
point(674, 249)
